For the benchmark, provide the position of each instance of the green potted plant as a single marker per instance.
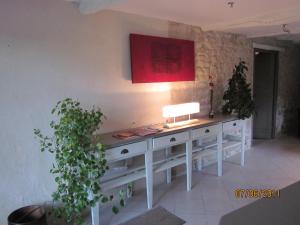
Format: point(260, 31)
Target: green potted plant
point(79, 162)
point(237, 97)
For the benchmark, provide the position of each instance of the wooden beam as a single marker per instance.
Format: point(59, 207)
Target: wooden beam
point(268, 47)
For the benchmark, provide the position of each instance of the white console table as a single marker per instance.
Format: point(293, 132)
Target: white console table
point(205, 138)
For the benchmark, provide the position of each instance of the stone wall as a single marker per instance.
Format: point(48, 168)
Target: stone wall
point(216, 54)
point(288, 98)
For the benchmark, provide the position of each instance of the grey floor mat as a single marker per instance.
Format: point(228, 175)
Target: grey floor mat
point(156, 216)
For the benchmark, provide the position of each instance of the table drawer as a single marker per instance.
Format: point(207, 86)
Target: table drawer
point(236, 124)
point(170, 140)
point(206, 131)
point(126, 151)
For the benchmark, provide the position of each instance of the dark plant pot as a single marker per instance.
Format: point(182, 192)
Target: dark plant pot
point(28, 215)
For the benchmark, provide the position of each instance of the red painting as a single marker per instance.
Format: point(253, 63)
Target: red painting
point(157, 59)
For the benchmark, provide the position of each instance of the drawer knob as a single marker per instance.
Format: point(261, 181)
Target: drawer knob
point(172, 139)
point(207, 131)
point(124, 151)
point(234, 124)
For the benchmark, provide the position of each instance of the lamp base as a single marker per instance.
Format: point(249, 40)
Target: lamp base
point(180, 124)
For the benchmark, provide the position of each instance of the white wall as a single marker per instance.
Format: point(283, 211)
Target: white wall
point(48, 51)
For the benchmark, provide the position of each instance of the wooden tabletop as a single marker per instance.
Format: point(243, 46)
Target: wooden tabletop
point(110, 141)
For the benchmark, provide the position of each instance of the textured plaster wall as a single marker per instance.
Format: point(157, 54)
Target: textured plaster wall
point(50, 51)
point(288, 99)
point(216, 54)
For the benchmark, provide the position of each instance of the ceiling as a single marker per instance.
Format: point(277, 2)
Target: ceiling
point(254, 18)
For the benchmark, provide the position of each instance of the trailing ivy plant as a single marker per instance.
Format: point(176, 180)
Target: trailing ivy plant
point(238, 98)
point(79, 163)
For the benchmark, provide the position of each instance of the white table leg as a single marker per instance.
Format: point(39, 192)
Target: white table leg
point(95, 214)
point(188, 149)
point(243, 133)
point(149, 174)
point(168, 172)
point(220, 152)
point(199, 161)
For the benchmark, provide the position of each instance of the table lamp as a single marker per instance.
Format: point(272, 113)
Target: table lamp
point(173, 111)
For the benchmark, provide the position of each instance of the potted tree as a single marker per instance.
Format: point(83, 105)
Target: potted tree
point(237, 97)
point(79, 163)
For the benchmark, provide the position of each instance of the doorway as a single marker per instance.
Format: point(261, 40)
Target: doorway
point(265, 93)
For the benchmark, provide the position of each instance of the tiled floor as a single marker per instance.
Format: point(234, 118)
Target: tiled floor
point(269, 164)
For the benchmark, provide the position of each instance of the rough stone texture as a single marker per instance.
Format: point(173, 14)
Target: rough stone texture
point(216, 54)
point(288, 98)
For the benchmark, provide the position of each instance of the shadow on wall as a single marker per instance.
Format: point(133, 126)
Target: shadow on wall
point(283, 210)
point(291, 124)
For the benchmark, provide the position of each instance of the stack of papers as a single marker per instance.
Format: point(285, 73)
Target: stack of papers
point(137, 132)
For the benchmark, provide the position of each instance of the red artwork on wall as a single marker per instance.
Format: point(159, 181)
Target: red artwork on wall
point(157, 59)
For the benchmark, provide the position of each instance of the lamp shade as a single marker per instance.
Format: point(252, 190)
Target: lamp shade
point(181, 109)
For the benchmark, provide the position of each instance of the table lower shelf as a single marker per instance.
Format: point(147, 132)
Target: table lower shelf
point(110, 184)
point(198, 153)
point(231, 144)
point(203, 153)
point(170, 163)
